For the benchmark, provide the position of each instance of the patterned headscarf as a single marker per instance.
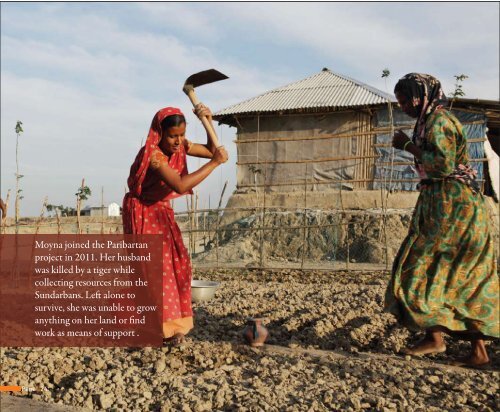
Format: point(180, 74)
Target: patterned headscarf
point(141, 163)
point(425, 90)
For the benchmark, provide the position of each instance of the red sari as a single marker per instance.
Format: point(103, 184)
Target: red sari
point(147, 209)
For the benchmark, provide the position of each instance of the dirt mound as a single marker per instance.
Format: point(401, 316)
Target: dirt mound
point(316, 236)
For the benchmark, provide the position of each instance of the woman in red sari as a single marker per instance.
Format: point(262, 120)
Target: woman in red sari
point(158, 175)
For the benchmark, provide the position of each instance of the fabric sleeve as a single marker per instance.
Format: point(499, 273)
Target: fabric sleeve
point(157, 158)
point(439, 153)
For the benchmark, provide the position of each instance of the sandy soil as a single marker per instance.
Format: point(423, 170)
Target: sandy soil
point(330, 348)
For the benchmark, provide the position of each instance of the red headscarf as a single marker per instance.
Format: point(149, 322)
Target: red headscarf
point(139, 168)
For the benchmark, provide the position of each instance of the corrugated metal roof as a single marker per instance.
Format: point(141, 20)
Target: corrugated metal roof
point(322, 90)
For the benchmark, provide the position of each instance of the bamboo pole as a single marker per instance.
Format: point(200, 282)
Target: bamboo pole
point(217, 225)
point(204, 230)
point(78, 205)
point(58, 221)
point(480, 160)
point(102, 210)
point(196, 219)
point(263, 215)
point(241, 229)
point(208, 220)
point(376, 130)
point(389, 189)
point(478, 140)
point(359, 151)
point(366, 150)
point(371, 163)
point(364, 161)
point(326, 182)
point(44, 206)
point(384, 222)
point(193, 218)
point(37, 228)
point(347, 228)
point(304, 219)
point(369, 151)
point(4, 216)
point(190, 229)
point(320, 160)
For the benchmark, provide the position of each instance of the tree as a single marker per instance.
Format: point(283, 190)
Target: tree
point(19, 130)
point(82, 194)
point(61, 210)
point(458, 92)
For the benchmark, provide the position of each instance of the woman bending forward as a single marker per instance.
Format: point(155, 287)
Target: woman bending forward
point(158, 175)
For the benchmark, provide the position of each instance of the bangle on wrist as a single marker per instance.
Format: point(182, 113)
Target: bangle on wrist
point(406, 144)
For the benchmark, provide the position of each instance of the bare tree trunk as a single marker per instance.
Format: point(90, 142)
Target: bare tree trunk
point(78, 206)
point(102, 210)
point(4, 213)
point(217, 225)
point(58, 221)
point(39, 220)
point(196, 220)
point(16, 212)
point(190, 221)
point(304, 234)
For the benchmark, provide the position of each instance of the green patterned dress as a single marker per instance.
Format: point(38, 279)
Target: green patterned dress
point(445, 272)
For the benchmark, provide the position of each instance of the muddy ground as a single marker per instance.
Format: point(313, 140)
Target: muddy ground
point(330, 348)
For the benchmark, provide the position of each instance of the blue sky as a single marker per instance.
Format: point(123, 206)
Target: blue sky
point(87, 78)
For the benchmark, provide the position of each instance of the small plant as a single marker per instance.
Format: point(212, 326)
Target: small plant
point(82, 194)
point(254, 169)
point(255, 172)
point(385, 75)
point(459, 91)
point(19, 130)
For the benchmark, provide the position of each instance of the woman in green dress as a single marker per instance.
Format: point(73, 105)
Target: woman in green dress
point(444, 277)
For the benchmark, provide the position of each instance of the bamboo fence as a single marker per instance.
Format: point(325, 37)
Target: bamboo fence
point(204, 229)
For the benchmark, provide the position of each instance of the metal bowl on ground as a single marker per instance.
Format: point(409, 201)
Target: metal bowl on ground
point(203, 290)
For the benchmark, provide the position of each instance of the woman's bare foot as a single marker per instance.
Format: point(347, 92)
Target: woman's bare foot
point(176, 340)
point(478, 356)
point(432, 343)
point(425, 347)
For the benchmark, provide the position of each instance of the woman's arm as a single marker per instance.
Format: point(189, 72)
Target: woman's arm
point(198, 150)
point(402, 142)
point(202, 150)
point(182, 184)
point(438, 159)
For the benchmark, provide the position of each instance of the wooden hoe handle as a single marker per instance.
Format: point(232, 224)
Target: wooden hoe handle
point(208, 126)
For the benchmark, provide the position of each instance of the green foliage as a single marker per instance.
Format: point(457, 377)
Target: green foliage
point(254, 169)
point(83, 193)
point(386, 73)
point(458, 92)
point(64, 210)
point(19, 127)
